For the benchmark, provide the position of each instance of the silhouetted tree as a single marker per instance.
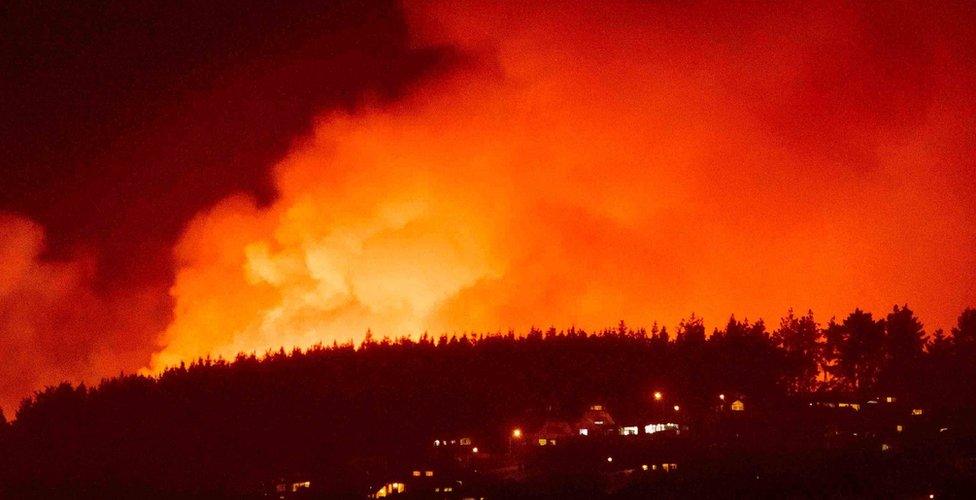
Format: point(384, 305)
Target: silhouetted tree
point(964, 333)
point(904, 345)
point(799, 337)
point(857, 346)
point(691, 331)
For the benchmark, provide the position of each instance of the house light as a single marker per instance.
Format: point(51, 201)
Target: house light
point(917, 411)
point(437, 442)
point(429, 473)
point(899, 428)
point(644, 467)
point(543, 441)
point(584, 432)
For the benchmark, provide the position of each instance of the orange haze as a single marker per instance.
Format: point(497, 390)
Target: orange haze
point(590, 163)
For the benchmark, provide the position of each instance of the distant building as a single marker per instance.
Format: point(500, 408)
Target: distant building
point(596, 421)
point(552, 432)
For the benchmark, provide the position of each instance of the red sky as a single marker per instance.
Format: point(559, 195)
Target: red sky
point(563, 164)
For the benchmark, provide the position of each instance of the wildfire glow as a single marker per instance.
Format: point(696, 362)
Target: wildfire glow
point(594, 164)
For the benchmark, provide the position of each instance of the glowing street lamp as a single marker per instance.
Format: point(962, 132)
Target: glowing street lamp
point(722, 397)
point(658, 396)
point(676, 407)
point(516, 435)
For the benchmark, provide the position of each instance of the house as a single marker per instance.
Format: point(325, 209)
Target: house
point(596, 420)
point(552, 432)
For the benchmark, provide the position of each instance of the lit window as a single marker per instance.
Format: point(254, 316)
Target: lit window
point(598, 422)
point(890, 399)
point(584, 432)
point(629, 431)
point(738, 405)
point(644, 467)
point(465, 441)
point(918, 411)
point(416, 473)
point(429, 473)
point(885, 447)
point(543, 441)
point(437, 442)
point(899, 428)
point(552, 442)
point(597, 407)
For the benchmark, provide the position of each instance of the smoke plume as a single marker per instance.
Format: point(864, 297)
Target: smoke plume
point(596, 162)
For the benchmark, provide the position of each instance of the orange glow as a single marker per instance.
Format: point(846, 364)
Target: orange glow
point(517, 433)
point(596, 163)
point(658, 396)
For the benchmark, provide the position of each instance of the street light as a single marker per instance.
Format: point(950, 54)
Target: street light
point(676, 407)
point(517, 433)
point(722, 397)
point(658, 396)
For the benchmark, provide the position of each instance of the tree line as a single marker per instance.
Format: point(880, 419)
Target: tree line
point(215, 426)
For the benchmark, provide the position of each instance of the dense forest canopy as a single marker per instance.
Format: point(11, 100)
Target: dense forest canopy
point(254, 417)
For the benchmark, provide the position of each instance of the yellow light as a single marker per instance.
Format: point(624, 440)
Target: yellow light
point(644, 467)
point(517, 433)
point(658, 396)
